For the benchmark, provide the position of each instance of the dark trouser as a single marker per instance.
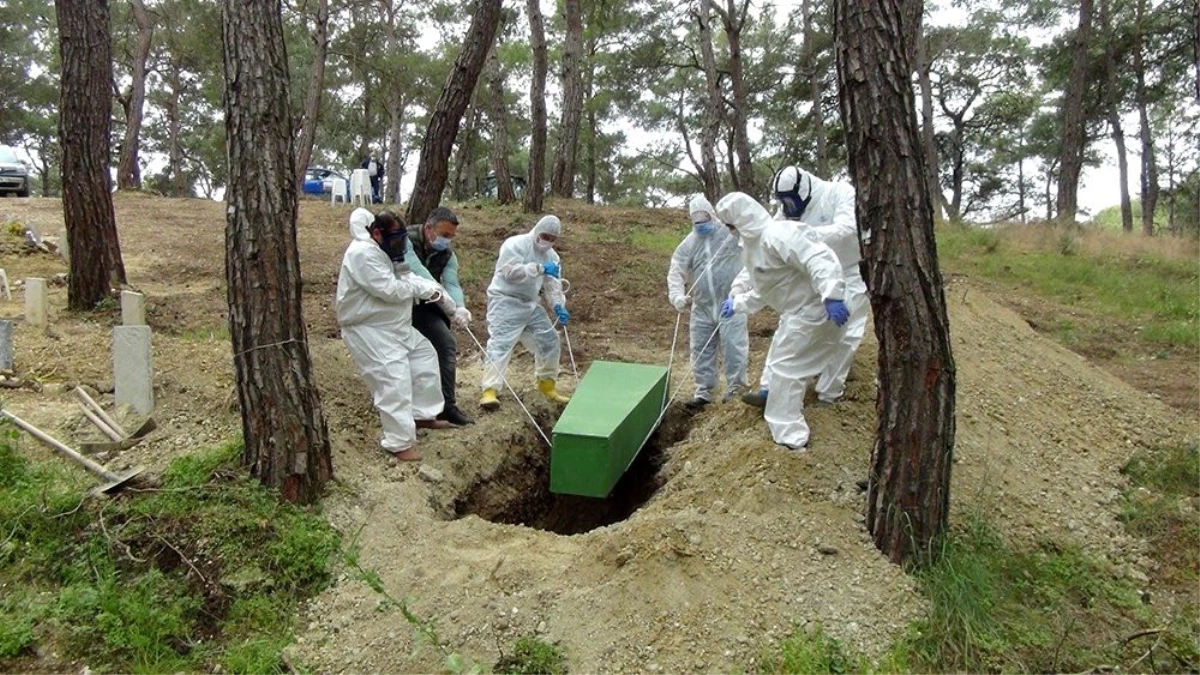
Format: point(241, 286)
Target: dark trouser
point(433, 324)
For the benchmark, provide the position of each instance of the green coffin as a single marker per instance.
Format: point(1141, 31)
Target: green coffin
point(611, 413)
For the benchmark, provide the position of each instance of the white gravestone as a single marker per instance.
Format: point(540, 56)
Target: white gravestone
point(133, 308)
point(35, 301)
point(133, 367)
point(6, 345)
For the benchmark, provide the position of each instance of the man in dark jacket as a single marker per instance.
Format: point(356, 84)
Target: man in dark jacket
point(431, 255)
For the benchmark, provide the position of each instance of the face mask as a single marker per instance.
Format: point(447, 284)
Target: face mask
point(793, 205)
point(704, 229)
point(440, 243)
point(541, 245)
point(395, 244)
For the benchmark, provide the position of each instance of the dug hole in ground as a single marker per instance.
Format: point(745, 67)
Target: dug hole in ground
point(717, 543)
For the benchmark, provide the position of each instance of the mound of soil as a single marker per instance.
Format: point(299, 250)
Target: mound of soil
point(723, 541)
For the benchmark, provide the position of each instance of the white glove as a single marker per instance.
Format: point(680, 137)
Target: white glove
point(680, 302)
point(462, 317)
point(533, 270)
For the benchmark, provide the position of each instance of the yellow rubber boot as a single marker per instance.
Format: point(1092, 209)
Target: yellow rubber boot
point(489, 401)
point(548, 390)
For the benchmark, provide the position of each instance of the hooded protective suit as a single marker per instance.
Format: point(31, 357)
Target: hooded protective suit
point(830, 219)
point(514, 312)
point(702, 271)
point(793, 274)
point(374, 310)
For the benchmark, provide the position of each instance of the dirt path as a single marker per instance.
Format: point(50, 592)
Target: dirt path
point(740, 542)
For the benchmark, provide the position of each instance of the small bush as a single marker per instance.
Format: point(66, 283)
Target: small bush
point(532, 656)
point(811, 652)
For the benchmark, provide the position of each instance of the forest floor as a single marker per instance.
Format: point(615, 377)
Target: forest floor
point(719, 545)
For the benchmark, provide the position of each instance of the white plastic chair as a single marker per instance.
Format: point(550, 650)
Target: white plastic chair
point(360, 187)
point(337, 191)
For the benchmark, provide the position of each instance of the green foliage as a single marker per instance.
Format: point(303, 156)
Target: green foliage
point(814, 652)
point(1144, 291)
point(532, 656)
point(657, 240)
point(204, 570)
point(996, 608)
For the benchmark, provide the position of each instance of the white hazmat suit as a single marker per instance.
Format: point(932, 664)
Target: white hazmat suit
point(707, 264)
point(374, 310)
point(794, 275)
point(515, 312)
point(829, 218)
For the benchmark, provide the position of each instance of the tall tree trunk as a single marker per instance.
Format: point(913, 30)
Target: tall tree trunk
point(316, 85)
point(535, 182)
point(174, 143)
point(710, 170)
point(394, 163)
point(1070, 162)
point(464, 159)
point(928, 145)
point(734, 20)
point(84, 122)
point(1112, 105)
point(816, 82)
point(1195, 59)
point(1021, 207)
point(499, 117)
point(562, 181)
point(283, 427)
point(432, 168)
point(589, 193)
point(1149, 174)
point(908, 491)
point(129, 174)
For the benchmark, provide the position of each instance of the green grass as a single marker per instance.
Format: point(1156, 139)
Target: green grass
point(532, 656)
point(658, 240)
point(1155, 294)
point(205, 570)
point(814, 652)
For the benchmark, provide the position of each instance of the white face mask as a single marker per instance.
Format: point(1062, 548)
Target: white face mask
point(542, 246)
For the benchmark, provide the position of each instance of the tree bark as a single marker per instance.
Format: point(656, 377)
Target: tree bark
point(710, 170)
point(316, 85)
point(464, 159)
point(84, 123)
point(1114, 113)
point(734, 20)
point(1149, 173)
point(432, 167)
point(283, 427)
point(535, 182)
point(499, 115)
point(129, 175)
point(562, 181)
point(816, 81)
point(174, 126)
point(589, 192)
point(1070, 162)
point(928, 145)
point(908, 492)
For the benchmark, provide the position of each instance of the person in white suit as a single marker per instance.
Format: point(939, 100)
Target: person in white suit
point(801, 279)
point(375, 296)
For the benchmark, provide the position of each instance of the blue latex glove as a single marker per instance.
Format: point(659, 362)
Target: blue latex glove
point(727, 308)
point(561, 313)
point(836, 311)
point(551, 269)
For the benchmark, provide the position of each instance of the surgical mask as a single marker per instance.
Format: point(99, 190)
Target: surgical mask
point(542, 246)
point(440, 243)
point(704, 229)
point(395, 244)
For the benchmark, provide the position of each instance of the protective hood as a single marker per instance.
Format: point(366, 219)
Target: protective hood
point(699, 205)
point(547, 225)
point(744, 213)
point(360, 220)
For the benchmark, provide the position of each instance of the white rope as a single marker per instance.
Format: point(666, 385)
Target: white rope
point(512, 391)
point(571, 353)
point(666, 406)
point(671, 359)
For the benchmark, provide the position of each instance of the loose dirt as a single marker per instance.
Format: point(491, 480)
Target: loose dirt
point(736, 541)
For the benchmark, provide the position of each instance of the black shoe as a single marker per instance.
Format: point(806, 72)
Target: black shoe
point(455, 416)
point(696, 404)
point(756, 398)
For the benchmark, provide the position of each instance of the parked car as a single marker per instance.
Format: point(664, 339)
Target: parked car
point(319, 181)
point(14, 174)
